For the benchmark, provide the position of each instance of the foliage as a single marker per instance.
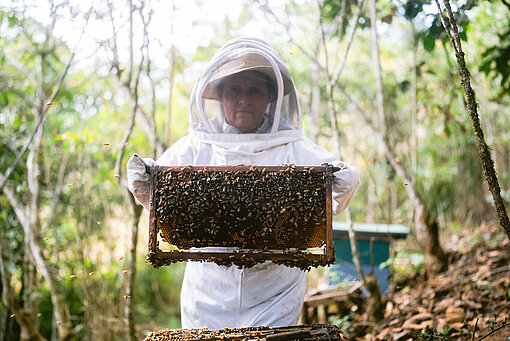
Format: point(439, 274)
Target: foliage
point(85, 231)
point(432, 334)
point(405, 262)
point(344, 322)
point(158, 292)
point(496, 61)
point(81, 204)
point(494, 326)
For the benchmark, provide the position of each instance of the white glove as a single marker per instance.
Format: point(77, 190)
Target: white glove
point(139, 178)
point(345, 184)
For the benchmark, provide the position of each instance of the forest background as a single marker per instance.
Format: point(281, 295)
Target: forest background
point(83, 85)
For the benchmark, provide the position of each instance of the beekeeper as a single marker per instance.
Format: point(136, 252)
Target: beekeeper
point(244, 111)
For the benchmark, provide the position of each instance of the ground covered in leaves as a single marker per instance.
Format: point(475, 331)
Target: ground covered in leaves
point(475, 291)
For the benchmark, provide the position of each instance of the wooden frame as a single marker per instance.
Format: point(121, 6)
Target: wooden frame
point(158, 257)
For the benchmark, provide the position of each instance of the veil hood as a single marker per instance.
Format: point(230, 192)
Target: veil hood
point(282, 118)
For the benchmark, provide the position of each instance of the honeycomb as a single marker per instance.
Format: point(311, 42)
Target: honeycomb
point(303, 332)
point(273, 209)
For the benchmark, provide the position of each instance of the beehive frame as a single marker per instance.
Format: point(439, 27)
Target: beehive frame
point(302, 332)
point(247, 253)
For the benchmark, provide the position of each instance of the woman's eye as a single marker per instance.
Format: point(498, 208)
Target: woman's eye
point(255, 91)
point(235, 89)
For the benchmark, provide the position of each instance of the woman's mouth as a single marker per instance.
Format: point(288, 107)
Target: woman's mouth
point(244, 112)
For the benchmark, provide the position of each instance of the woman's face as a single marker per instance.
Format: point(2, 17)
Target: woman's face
point(245, 96)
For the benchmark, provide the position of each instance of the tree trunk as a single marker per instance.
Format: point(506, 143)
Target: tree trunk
point(130, 287)
point(314, 102)
point(371, 201)
point(426, 225)
point(132, 90)
point(29, 280)
point(9, 330)
point(28, 213)
point(32, 235)
point(377, 69)
point(427, 233)
point(26, 319)
point(171, 73)
point(375, 309)
point(414, 110)
point(373, 290)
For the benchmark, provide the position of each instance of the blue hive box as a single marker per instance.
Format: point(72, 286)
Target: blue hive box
point(375, 237)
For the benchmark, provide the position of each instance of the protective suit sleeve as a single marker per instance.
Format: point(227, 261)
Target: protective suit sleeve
point(345, 184)
point(139, 178)
point(181, 153)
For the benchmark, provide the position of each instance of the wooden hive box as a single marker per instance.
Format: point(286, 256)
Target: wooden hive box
point(303, 332)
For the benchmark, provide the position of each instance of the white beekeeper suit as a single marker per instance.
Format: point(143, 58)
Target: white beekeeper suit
point(216, 296)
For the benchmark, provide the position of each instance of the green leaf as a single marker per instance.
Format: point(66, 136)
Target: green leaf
point(429, 43)
point(463, 35)
point(485, 67)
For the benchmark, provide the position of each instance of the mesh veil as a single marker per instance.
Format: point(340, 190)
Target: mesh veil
point(283, 113)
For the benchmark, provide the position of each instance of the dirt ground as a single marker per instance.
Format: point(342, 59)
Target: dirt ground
point(475, 291)
point(470, 301)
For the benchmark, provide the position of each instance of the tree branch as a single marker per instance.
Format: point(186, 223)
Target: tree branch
point(507, 4)
point(333, 113)
point(17, 205)
point(154, 133)
point(58, 189)
point(25, 319)
point(133, 92)
point(472, 108)
point(44, 112)
point(377, 68)
point(21, 68)
point(115, 61)
point(343, 9)
point(171, 76)
point(8, 295)
point(131, 35)
point(127, 135)
point(350, 38)
point(303, 50)
point(323, 38)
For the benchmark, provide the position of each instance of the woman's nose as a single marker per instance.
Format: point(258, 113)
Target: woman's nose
point(244, 97)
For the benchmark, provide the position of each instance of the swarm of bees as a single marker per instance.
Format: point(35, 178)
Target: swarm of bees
point(310, 332)
point(254, 209)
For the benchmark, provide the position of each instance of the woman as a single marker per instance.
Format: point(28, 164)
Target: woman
point(244, 111)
